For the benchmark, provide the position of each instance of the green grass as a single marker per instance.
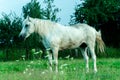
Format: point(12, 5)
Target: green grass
point(108, 69)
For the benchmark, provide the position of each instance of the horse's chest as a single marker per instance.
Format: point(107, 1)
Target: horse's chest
point(50, 41)
point(46, 43)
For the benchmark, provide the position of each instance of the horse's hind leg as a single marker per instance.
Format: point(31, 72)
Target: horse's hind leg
point(83, 49)
point(92, 51)
point(50, 60)
point(84, 53)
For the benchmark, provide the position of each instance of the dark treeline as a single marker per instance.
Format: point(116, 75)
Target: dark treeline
point(101, 14)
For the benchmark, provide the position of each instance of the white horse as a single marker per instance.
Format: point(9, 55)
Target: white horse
point(58, 37)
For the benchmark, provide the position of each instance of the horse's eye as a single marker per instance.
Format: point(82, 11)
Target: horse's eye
point(26, 25)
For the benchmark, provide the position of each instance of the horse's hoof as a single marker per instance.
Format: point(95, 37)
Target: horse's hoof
point(87, 71)
point(56, 71)
point(95, 71)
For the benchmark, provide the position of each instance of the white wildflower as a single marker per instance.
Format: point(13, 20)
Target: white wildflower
point(62, 72)
point(32, 70)
point(67, 57)
point(28, 65)
point(40, 51)
point(71, 58)
point(31, 62)
point(17, 60)
point(29, 73)
point(43, 72)
point(24, 72)
point(26, 69)
point(46, 56)
point(74, 68)
point(64, 65)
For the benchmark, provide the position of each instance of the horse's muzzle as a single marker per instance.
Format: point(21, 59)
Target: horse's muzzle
point(21, 37)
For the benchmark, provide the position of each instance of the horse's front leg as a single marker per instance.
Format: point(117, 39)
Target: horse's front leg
point(55, 56)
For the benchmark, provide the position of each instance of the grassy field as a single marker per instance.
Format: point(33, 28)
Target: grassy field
point(108, 69)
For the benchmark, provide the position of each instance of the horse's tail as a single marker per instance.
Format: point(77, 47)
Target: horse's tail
point(100, 43)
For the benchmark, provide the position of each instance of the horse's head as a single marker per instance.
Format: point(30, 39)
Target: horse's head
point(27, 29)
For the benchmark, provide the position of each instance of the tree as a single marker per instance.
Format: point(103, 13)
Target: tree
point(95, 12)
point(33, 9)
point(10, 26)
point(51, 11)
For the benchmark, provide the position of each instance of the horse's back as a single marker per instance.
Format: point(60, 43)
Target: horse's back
point(79, 25)
point(83, 26)
point(88, 31)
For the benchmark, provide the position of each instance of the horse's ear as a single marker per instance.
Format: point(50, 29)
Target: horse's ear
point(29, 18)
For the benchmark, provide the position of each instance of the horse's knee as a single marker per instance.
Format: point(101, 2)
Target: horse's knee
point(87, 58)
point(56, 65)
point(50, 59)
point(92, 51)
point(94, 57)
point(50, 62)
point(55, 62)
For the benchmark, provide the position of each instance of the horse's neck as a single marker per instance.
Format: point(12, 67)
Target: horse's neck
point(42, 28)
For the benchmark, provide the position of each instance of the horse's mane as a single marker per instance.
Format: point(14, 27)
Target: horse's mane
point(45, 26)
point(47, 22)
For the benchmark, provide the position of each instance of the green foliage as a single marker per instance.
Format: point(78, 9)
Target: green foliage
point(51, 11)
point(36, 54)
point(112, 52)
point(10, 26)
point(33, 9)
point(13, 53)
point(108, 69)
point(95, 12)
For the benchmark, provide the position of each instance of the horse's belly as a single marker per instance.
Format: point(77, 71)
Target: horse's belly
point(69, 46)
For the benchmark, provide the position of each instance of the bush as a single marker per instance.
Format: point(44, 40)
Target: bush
point(112, 52)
